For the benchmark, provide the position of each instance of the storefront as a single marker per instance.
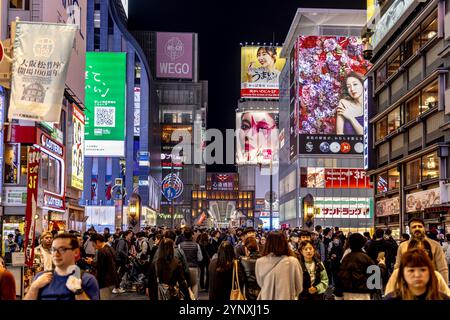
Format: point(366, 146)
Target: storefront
point(51, 187)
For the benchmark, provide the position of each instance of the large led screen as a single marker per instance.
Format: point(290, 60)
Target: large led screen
point(260, 72)
point(257, 137)
point(329, 75)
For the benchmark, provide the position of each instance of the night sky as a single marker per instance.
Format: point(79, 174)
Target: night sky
point(221, 26)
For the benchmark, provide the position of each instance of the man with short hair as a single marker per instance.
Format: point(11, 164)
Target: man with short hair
point(123, 252)
point(18, 238)
point(105, 265)
point(10, 247)
point(42, 254)
point(417, 230)
point(305, 235)
point(239, 250)
point(193, 257)
point(66, 282)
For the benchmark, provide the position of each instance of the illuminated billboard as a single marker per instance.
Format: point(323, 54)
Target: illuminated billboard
point(77, 149)
point(334, 178)
point(257, 137)
point(260, 72)
point(354, 208)
point(105, 104)
point(174, 55)
point(329, 94)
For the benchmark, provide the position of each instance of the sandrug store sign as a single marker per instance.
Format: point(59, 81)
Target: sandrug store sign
point(174, 58)
point(41, 58)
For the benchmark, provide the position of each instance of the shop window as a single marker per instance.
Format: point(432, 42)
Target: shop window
point(382, 182)
point(429, 29)
point(44, 171)
point(381, 75)
point(394, 120)
point(393, 179)
point(412, 44)
point(413, 172)
point(50, 171)
point(393, 63)
point(412, 108)
point(429, 97)
point(430, 166)
point(23, 164)
point(19, 4)
point(381, 129)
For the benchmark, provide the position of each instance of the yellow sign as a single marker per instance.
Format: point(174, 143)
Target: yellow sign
point(260, 72)
point(371, 6)
point(78, 149)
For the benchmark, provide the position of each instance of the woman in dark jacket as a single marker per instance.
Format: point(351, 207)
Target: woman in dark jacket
point(204, 244)
point(168, 269)
point(353, 274)
point(221, 273)
point(247, 264)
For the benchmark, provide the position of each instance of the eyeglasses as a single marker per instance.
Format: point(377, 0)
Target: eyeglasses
point(60, 250)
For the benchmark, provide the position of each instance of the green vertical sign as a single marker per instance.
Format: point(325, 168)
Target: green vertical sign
point(105, 102)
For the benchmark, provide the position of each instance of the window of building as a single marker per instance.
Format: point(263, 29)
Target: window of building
point(412, 108)
point(393, 179)
point(430, 166)
point(381, 129)
point(19, 4)
point(394, 62)
point(429, 97)
point(49, 173)
point(412, 44)
point(381, 75)
point(394, 120)
point(413, 171)
point(429, 28)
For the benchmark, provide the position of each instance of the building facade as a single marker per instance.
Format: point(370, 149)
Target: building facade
point(407, 113)
point(110, 182)
point(322, 181)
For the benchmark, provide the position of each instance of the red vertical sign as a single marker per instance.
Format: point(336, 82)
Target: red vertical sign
point(34, 156)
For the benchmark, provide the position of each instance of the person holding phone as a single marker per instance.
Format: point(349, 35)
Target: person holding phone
point(66, 282)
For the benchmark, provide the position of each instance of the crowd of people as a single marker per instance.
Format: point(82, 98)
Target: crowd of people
point(293, 264)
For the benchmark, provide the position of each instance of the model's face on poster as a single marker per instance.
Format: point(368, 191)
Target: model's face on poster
point(265, 58)
point(355, 87)
point(257, 133)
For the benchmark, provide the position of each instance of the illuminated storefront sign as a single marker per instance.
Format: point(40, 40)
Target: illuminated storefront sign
point(337, 207)
point(77, 179)
point(334, 178)
point(174, 55)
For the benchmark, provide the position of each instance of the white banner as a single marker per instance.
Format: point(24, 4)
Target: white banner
point(41, 58)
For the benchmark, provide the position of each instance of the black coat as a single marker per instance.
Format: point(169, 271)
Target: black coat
point(220, 282)
point(353, 274)
point(171, 274)
point(305, 295)
point(247, 265)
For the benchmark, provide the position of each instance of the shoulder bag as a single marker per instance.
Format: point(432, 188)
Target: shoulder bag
point(236, 293)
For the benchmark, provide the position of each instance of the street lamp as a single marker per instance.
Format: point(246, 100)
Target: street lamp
point(134, 212)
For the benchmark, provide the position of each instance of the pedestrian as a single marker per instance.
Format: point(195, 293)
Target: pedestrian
point(42, 253)
point(123, 253)
point(351, 280)
point(18, 238)
point(10, 247)
point(417, 279)
point(221, 273)
point(315, 278)
point(215, 243)
point(203, 241)
point(294, 241)
point(167, 269)
point(247, 264)
point(7, 283)
point(335, 254)
point(447, 251)
point(278, 272)
point(105, 266)
point(417, 229)
point(318, 245)
point(66, 282)
point(424, 245)
point(404, 237)
point(381, 246)
point(193, 257)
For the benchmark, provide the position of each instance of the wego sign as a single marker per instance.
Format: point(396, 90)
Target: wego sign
point(174, 58)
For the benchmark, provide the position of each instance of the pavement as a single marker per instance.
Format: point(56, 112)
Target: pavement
point(132, 295)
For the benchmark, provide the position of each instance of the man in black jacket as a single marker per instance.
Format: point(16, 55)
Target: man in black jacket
point(122, 252)
point(379, 245)
point(107, 278)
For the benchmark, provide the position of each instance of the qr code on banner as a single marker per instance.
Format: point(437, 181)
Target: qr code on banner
point(105, 117)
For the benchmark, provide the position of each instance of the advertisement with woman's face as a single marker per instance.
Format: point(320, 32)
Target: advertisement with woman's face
point(260, 72)
point(257, 137)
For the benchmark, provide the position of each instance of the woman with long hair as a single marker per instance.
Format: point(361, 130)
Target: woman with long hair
point(278, 272)
point(168, 270)
point(221, 273)
point(315, 278)
point(349, 113)
point(416, 278)
point(203, 241)
point(248, 263)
